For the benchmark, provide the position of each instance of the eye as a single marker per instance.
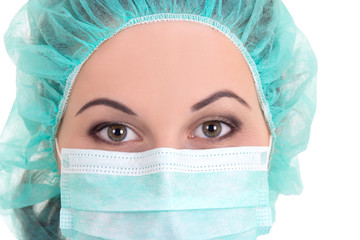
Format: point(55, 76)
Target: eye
point(117, 133)
point(212, 129)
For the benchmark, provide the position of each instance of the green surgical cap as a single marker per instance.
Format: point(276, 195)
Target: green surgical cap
point(49, 40)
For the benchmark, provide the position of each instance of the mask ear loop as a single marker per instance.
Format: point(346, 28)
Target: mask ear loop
point(270, 152)
point(57, 148)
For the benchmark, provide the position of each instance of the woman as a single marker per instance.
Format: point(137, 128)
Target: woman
point(95, 83)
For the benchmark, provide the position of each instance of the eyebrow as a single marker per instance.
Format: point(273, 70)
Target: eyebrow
point(197, 106)
point(106, 102)
point(216, 96)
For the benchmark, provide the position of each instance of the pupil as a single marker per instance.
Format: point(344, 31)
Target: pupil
point(118, 131)
point(211, 128)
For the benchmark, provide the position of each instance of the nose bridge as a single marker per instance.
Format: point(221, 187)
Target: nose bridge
point(167, 132)
point(165, 122)
point(168, 138)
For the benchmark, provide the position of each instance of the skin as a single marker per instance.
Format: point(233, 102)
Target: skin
point(159, 71)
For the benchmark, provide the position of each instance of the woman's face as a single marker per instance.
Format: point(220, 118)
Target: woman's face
point(167, 84)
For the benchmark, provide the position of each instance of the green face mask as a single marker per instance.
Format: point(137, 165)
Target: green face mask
point(165, 193)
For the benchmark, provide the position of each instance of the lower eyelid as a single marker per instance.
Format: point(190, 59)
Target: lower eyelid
point(216, 139)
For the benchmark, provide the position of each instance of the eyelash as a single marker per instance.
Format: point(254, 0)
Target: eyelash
point(232, 122)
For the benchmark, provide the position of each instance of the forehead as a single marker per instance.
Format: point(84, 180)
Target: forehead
point(164, 61)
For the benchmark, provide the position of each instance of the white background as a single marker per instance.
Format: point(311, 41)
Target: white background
point(328, 208)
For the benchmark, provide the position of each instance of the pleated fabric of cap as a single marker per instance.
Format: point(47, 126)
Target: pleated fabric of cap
point(49, 40)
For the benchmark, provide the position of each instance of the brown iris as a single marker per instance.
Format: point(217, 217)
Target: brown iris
point(212, 129)
point(117, 132)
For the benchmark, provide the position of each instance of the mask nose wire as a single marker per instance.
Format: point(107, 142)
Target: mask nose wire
point(57, 148)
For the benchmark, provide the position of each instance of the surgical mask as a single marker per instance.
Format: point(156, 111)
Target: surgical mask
point(165, 193)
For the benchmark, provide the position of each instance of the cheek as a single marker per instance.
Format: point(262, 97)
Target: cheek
point(261, 133)
point(72, 132)
point(250, 139)
point(254, 132)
